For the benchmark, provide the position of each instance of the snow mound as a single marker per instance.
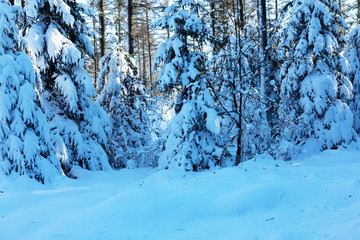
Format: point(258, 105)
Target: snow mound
point(313, 198)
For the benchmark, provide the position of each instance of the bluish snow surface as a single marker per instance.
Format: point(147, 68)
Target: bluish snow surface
point(313, 198)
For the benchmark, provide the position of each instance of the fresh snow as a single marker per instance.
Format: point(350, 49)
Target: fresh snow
point(313, 198)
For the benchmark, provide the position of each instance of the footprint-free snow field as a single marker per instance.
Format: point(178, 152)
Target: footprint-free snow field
point(313, 198)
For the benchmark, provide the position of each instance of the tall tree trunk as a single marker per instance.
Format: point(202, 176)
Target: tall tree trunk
point(23, 7)
point(265, 87)
point(139, 56)
point(264, 43)
point(102, 29)
point(340, 5)
point(96, 55)
point(276, 10)
point(212, 16)
point(358, 15)
point(235, 9)
point(239, 13)
point(145, 81)
point(95, 45)
point(237, 79)
point(149, 45)
point(130, 23)
point(119, 21)
point(239, 152)
point(241, 5)
point(239, 106)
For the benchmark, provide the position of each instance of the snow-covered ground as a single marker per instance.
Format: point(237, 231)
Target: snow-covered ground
point(315, 198)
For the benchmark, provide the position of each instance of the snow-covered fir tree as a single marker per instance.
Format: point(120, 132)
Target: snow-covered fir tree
point(123, 98)
point(353, 56)
point(25, 146)
point(57, 41)
point(314, 89)
point(192, 134)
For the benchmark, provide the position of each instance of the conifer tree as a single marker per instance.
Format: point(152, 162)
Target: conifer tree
point(123, 99)
point(25, 146)
point(192, 141)
point(57, 43)
point(353, 56)
point(314, 90)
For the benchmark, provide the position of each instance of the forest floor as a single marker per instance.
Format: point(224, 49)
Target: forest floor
point(313, 198)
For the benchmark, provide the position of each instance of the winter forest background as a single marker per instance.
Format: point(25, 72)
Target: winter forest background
point(183, 119)
point(190, 84)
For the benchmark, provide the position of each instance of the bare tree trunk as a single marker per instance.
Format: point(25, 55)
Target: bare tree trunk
point(358, 15)
point(149, 45)
point(212, 16)
point(119, 21)
point(239, 109)
point(239, 152)
point(23, 7)
point(235, 12)
point(241, 5)
point(144, 63)
point(102, 29)
point(264, 43)
point(96, 55)
point(239, 13)
point(139, 57)
point(276, 10)
point(237, 97)
point(130, 23)
point(340, 5)
point(265, 87)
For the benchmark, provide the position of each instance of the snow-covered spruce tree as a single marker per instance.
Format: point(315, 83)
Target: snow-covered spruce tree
point(192, 142)
point(123, 99)
point(314, 90)
point(25, 146)
point(353, 56)
point(57, 42)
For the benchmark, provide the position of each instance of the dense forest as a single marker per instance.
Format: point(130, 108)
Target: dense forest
point(189, 84)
